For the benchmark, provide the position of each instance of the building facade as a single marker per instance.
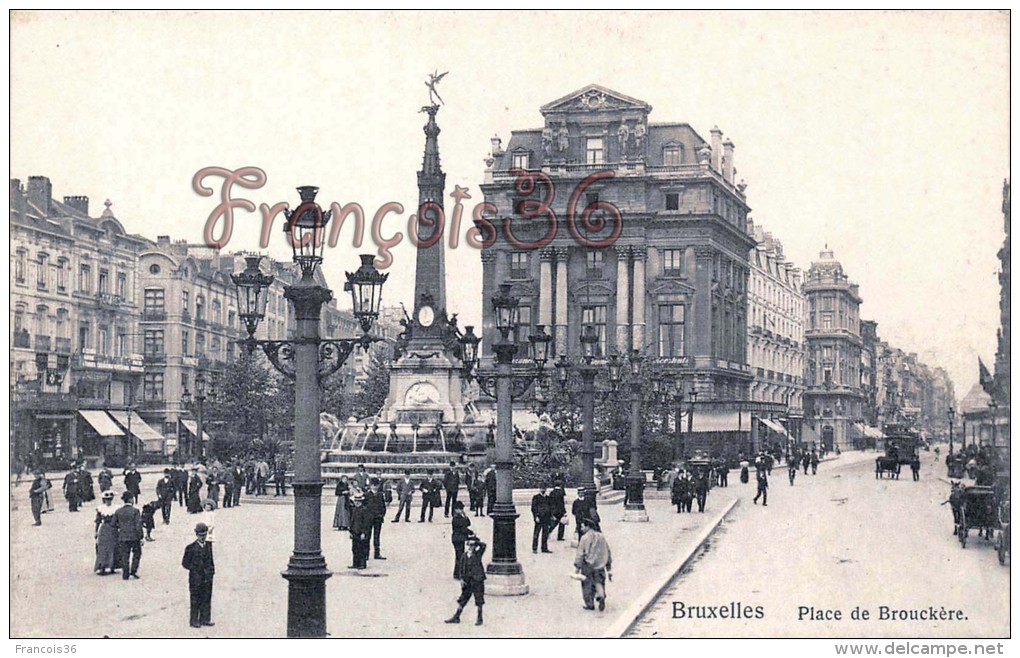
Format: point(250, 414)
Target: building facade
point(75, 367)
point(834, 399)
point(109, 330)
point(775, 325)
point(665, 274)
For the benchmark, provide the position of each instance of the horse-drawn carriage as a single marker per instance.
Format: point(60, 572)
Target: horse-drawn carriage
point(974, 508)
point(901, 445)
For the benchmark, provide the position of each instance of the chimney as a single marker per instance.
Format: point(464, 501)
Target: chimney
point(163, 241)
point(716, 148)
point(78, 203)
point(727, 161)
point(40, 192)
point(17, 195)
point(497, 146)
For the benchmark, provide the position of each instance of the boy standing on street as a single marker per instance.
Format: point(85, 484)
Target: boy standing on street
point(472, 579)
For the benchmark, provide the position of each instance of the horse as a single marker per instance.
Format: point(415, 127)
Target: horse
point(887, 464)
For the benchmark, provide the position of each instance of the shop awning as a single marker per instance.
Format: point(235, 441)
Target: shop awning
point(150, 438)
point(809, 435)
point(100, 422)
point(869, 432)
point(773, 425)
point(193, 428)
point(721, 421)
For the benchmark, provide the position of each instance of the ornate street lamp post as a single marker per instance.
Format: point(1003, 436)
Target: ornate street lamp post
point(951, 413)
point(308, 359)
point(588, 371)
point(506, 576)
point(203, 452)
point(185, 449)
point(634, 509)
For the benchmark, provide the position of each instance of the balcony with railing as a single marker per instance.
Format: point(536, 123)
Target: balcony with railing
point(109, 300)
point(153, 314)
point(154, 357)
point(42, 343)
point(126, 363)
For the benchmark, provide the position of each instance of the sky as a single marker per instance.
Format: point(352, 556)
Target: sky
point(884, 135)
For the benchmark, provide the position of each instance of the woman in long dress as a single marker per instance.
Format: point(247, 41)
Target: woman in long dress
point(106, 536)
point(342, 515)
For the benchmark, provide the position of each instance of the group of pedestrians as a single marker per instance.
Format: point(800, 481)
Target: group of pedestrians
point(549, 512)
point(690, 485)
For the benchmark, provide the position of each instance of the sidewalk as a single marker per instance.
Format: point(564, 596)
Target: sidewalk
point(408, 595)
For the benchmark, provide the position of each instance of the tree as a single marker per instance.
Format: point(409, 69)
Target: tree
point(253, 406)
point(371, 395)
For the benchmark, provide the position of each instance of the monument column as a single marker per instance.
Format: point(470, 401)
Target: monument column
point(639, 299)
point(622, 298)
point(562, 254)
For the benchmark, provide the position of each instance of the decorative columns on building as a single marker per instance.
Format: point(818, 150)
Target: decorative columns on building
point(622, 299)
point(545, 289)
point(639, 300)
point(561, 255)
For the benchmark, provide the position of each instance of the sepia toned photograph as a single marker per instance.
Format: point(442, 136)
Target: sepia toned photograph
point(510, 324)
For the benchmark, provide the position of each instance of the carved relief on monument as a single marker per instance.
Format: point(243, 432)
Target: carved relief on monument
point(421, 394)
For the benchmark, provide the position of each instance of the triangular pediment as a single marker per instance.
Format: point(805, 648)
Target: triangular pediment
point(594, 98)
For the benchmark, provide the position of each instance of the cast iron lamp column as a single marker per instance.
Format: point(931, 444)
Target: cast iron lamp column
point(200, 399)
point(505, 574)
point(634, 509)
point(588, 371)
point(308, 359)
point(951, 413)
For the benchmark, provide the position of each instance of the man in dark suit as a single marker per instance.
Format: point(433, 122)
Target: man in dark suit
point(701, 490)
point(198, 560)
point(238, 483)
point(127, 522)
point(490, 489)
point(375, 507)
point(557, 508)
point(71, 490)
point(405, 496)
point(541, 512)
point(451, 482)
point(280, 477)
point(227, 479)
point(361, 527)
point(132, 482)
point(427, 488)
point(165, 492)
point(37, 495)
point(180, 478)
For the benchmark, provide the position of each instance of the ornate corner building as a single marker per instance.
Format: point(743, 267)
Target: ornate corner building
point(834, 397)
point(667, 275)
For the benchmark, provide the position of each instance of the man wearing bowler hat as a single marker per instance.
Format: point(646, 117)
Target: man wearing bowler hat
point(198, 560)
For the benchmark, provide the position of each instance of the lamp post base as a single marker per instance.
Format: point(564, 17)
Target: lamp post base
point(635, 513)
point(505, 579)
point(306, 601)
point(504, 575)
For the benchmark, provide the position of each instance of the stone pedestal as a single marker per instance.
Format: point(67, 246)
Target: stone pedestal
point(609, 456)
